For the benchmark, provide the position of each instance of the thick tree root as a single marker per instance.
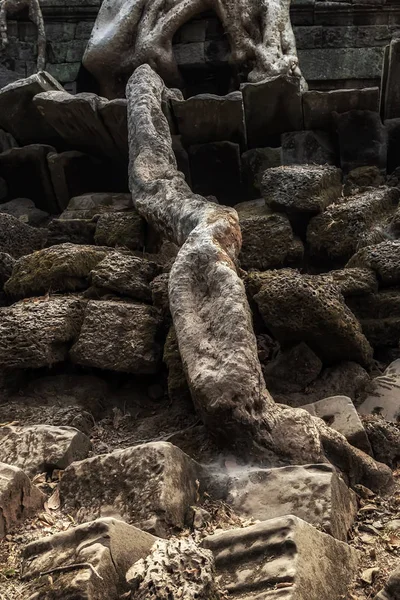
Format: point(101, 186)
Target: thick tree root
point(129, 33)
point(209, 307)
point(11, 7)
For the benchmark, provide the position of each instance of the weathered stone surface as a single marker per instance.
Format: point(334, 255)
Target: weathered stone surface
point(318, 107)
point(253, 561)
point(19, 115)
point(327, 326)
point(391, 591)
point(119, 337)
point(89, 205)
point(150, 485)
point(339, 413)
point(254, 163)
point(392, 127)
point(125, 274)
point(19, 498)
point(27, 175)
point(314, 493)
point(60, 268)
point(391, 90)
point(6, 266)
point(215, 171)
point(120, 229)
point(25, 343)
point(384, 259)
point(379, 315)
point(18, 239)
point(301, 189)
point(344, 228)
point(384, 437)
point(73, 231)
point(384, 396)
point(362, 140)
point(271, 107)
point(293, 370)
point(177, 567)
point(38, 448)
point(75, 173)
point(76, 119)
point(360, 179)
point(353, 281)
point(110, 546)
point(24, 210)
point(307, 147)
point(114, 116)
point(208, 118)
point(267, 237)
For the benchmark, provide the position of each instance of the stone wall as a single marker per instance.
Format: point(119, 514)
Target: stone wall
point(340, 44)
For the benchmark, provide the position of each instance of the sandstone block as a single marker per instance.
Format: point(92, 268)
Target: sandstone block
point(114, 116)
point(25, 343)
point(283, 558)
point(39, 448)
point(89, 205)
point(340, 413)
point(150, 485)
point(383, 258)
point(120, 229)
point(19, 498)
point(109, 545)
point(73, 231)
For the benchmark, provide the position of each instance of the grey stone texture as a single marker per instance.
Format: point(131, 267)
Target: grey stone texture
point(254, 163)
point(19, 498)
point(293, 370)
point(308, 147)
point(151, 486)
point(383, 259)
point(39, 448)
point(251, 561)
point(121, 229)
point(271, 107)
point(119, 336)
point(89, 205)
point(17, 238)
point(24, 210)
point(314, 493)
point(110, 546)
point(379, 315)
point(340, 413)
point(384, 398)
point(390, 102)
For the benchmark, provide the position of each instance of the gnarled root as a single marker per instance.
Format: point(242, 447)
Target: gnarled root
point(209, 307)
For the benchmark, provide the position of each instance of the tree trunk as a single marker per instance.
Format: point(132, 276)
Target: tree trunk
point(128, 33)
point(209, 307)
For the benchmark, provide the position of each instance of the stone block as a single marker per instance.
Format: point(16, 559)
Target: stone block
point(151, 486)
point(125, 274)
point(283, 558)
point(114, 117)
point(340, 413)
point(191, 55)
point(384, 396)
point(267, 237)
point(74, 173)
point(362, 140)
point(119, 336)
point(271, 108)
point(209, 118)
point(314, 493)
point(73, 231)
point(215, 171)
point(19, 498)
point(89, 205)
point(26, 344)
point(307, 147)
point(18, 114)
point(6, 266)
point(301, 189)
point(77, 121)
point(390, 104)
point(383, 259)
point(393, 144)
point(17, 238)
point(283, 295)
point(326, 64)
point(24, 210)
point(293, 370)
point(39, 448)
point(353, 281)
point(121, 229)
point(26, 173)
point(379, 315)
point(65, 72)
point(318, 107)
point(105, 549)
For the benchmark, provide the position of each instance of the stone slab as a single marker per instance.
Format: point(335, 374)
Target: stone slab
point(283, 558)
point(308, 147)
point(391, 104)
point(319, 106)
point(340, 413)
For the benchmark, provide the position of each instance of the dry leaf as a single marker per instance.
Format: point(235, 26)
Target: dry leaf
point(54, 502)
point(369, 575)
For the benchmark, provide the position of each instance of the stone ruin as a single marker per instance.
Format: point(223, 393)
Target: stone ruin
point(200, 299)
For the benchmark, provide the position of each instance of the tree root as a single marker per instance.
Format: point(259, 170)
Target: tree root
point(211, 315)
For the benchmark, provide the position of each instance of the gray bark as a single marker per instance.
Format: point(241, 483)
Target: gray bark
point(208, 304)
point(129, 33)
